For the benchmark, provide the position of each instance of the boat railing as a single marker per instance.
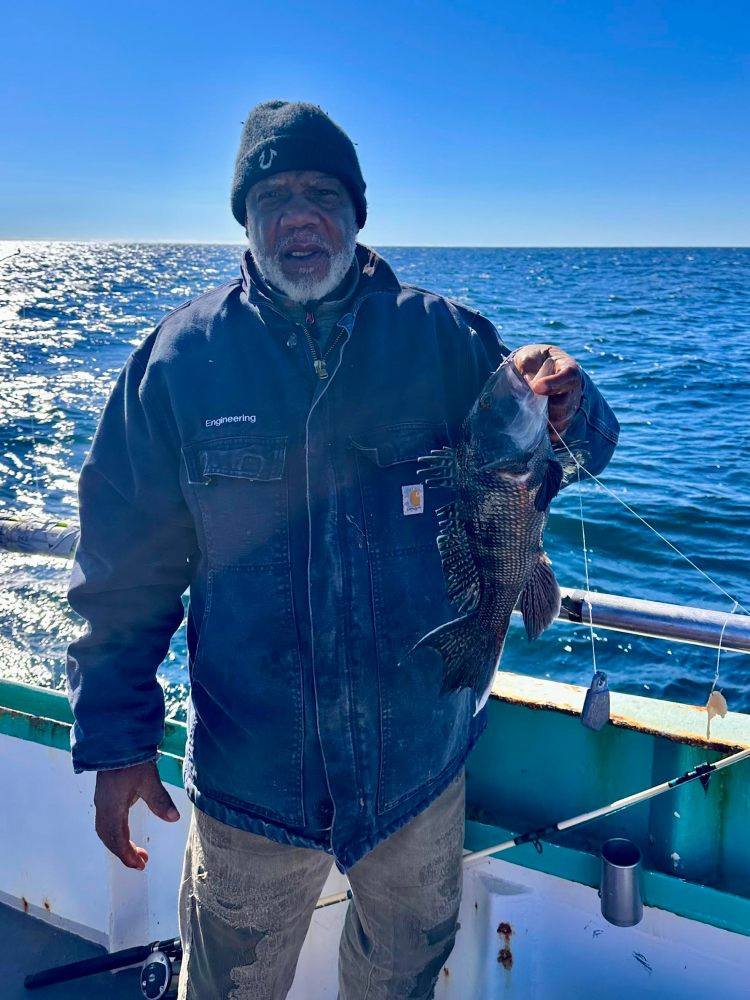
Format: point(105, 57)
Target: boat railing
point(654, 619)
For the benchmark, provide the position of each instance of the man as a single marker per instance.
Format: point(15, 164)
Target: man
point(260, 447)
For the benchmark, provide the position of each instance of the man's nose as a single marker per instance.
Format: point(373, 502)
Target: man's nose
point(299, 211)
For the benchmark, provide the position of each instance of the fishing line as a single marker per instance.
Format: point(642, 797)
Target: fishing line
point(651, 527)
point(718, 654)
point(586, 571)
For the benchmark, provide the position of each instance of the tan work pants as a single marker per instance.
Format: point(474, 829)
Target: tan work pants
point(246, 903)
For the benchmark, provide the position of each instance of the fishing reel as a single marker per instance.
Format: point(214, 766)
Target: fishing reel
point(160, 973)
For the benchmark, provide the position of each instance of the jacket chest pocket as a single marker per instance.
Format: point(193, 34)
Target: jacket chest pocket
point(241, 491)
point(399, 510)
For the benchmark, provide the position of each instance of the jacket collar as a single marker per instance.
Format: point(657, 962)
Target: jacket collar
point(375, 275)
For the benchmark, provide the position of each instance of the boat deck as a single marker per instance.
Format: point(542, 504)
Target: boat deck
point(29, 945)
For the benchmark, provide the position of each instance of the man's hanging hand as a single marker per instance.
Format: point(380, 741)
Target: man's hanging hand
point(118, 790)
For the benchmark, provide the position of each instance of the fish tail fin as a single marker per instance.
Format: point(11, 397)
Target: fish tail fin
point(540, 599)
point(470, 654)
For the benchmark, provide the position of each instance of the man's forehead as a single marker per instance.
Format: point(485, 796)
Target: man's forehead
point(291, 177)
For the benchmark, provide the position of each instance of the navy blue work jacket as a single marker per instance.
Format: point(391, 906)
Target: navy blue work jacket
point(289, 504)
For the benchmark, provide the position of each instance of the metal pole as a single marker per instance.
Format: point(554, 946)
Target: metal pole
point(658, 620)
point(654, 619)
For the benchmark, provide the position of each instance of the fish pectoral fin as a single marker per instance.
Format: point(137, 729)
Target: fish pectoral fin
point(439, 468)
point(549, 486)
point(540, 598)
point(459, 569)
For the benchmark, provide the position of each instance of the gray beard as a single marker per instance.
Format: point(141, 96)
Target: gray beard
point(305, 289)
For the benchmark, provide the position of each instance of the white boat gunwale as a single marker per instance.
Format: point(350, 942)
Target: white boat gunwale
point(520, 705)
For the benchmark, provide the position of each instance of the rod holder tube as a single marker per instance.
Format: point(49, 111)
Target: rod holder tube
point(620, 889)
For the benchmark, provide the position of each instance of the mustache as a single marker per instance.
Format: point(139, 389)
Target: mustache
point(310, 239)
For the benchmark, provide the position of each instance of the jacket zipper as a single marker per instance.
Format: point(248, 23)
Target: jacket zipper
point(319, 361)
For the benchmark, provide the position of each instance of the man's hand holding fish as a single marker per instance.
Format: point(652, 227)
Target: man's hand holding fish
point(551, 371)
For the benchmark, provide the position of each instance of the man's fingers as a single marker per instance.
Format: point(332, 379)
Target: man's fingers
point(141, 854)
point(549, 370)
point(539, 381)
point(530, 358)
point(157, 798)
point(114, 833)
point(116, 791)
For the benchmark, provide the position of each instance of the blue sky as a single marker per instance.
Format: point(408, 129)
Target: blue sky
point(502, 124)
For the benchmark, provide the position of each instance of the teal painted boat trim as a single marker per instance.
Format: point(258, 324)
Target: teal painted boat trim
point(40, 715)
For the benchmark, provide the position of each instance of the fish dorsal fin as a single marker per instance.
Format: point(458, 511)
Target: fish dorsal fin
point(439, 468)
point(540, 598)
point(459, 569)
point(549, 486)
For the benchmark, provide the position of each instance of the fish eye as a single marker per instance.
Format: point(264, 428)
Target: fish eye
point(485, 402)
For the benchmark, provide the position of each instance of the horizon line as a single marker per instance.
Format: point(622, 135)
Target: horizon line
point(402, 246)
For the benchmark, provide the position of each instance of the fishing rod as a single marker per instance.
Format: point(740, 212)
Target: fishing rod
point(9, 255)
point(157, 974)
point(702, 773)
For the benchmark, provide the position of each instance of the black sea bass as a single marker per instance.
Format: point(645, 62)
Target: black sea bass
point(505, 475)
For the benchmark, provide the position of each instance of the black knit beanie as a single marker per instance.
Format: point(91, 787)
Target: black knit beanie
point(289, 135)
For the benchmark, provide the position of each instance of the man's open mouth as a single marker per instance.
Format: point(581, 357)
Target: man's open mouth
point(304, 254)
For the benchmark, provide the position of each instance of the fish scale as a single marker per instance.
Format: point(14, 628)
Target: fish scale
point(503, 474)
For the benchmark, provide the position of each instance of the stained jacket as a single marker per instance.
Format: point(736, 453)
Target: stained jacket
point(286, 503)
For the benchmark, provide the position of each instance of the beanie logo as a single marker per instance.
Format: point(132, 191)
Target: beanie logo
point(264, 163)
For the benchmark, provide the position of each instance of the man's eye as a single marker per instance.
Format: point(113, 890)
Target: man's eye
point(326, 193)
point(268, 195)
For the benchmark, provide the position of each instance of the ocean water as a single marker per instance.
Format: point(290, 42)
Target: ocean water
point(664, 332)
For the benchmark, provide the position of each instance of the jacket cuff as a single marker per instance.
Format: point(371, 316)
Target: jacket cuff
point(80, 765)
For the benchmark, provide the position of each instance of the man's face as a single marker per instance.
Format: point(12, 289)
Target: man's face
point(302, 230)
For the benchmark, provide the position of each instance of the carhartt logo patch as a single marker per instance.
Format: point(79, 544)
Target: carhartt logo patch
point(412, 498)
point(266, 158)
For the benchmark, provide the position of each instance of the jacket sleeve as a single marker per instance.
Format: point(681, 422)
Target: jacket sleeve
point(591, 435)
point(131, 569)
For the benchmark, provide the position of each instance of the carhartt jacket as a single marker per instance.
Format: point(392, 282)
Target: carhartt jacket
point(289, 504)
